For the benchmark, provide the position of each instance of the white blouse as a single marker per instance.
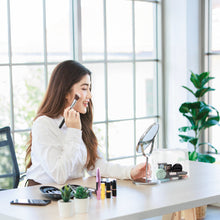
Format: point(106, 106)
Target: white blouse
point(60, 154)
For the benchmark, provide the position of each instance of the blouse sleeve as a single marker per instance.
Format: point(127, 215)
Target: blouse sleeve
point(58, 152)
point(109, 169)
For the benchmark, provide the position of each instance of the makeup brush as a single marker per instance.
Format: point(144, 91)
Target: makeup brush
point(72, 105)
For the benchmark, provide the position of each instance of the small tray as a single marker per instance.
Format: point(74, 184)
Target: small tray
point(51, 192)
point(54, 193)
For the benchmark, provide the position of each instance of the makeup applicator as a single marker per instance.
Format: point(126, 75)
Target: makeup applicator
point(72, 105)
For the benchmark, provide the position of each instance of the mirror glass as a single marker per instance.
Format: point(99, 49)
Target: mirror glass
point(145, 146)
point(147, 138)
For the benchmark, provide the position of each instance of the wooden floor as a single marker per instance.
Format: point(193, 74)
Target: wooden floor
point(212, 213)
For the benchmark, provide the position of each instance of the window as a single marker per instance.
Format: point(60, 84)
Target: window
point(116, 39)
point(213, 61)
point(119, 43)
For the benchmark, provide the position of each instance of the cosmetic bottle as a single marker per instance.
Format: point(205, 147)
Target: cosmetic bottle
point(114, 188)
point(102, 190)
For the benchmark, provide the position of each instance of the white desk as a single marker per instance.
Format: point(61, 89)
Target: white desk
point(133, 201)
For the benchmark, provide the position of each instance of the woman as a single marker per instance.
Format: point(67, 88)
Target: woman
point(58, 154)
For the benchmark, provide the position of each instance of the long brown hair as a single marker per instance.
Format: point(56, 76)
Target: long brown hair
point(64, 76)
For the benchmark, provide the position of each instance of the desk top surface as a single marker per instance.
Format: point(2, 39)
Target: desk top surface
point(132, 202)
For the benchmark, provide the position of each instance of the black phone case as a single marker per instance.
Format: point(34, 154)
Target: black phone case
point(33, 202)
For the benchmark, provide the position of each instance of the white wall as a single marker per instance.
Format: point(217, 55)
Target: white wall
point(181, 54)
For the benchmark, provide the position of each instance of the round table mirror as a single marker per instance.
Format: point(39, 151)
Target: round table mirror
point(145, 146)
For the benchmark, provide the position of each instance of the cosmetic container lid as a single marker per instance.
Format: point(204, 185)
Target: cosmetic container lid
point(114, 184)
point(108, 185)
point(105, 180)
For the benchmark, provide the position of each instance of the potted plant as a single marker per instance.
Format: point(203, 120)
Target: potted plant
point(66, 204)
point(81, 199)
point(201, 116)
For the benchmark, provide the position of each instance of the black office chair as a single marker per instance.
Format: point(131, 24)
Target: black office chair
point(9, 171)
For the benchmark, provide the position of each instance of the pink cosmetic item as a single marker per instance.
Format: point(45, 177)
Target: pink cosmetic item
point(98, 184)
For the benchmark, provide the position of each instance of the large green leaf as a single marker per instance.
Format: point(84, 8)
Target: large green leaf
point(184, 108)
point(191, 120)
point(203, 112)
point(188, 90)
point(206, 158)
point(193, 141)
point(194, 79)
point(200, 92)
point(204, 81)
point(193, 155)
point(204, 143)
point(209, 123)
point(203, 76)
point(185, 138)
point(186, 128)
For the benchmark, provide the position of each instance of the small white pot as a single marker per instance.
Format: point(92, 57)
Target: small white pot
point(66, 208)
point(81, 205)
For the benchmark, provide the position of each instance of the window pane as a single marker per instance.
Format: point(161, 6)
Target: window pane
point(144, 30)
point(50, 69)
point(5, 96)
point(215, 130)
point(27, 30)
point(4, 32)
point(120, 90)
point(215, 25)
point(21, 140)
point(59, 35)
point(119, 29)
point(140, 159)
point(127, 161)
point(100, 132)
point(98, 90)
point(146, 89)
point(28, 92)
point(121, 139)
point(92, 40)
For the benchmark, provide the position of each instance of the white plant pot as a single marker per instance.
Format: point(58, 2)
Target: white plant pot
point(66, 208)
point(81, 205)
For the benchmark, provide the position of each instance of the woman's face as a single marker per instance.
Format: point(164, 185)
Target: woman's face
point(82, 88)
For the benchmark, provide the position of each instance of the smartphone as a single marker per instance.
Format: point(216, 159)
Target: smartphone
point(38, 202)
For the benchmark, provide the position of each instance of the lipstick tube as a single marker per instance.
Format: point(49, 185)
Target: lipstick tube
point(108, 190)
point(114, 188)
point(98, 184)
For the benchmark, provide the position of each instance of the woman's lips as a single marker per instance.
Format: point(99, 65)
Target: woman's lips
point(86, 104)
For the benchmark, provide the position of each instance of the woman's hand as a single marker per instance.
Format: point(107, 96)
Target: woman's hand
point(139, 171)
point(72, 118)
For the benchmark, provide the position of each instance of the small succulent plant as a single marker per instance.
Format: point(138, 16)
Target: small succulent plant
point(81, 193)
point(66, 193)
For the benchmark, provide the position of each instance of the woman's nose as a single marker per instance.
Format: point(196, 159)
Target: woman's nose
point(89, 95)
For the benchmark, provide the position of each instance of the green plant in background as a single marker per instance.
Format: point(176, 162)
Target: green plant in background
point(81, 193)
point(200, 115)
point(66, 193)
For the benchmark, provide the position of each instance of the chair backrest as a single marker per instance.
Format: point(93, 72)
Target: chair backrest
point(9, 171)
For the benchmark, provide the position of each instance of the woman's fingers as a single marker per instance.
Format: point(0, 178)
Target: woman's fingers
point(72, 118)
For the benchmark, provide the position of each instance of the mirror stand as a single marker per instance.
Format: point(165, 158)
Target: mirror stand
point(146, 181)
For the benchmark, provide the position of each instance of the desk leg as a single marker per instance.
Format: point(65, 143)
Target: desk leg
point(189, 214)
point(172, 216)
